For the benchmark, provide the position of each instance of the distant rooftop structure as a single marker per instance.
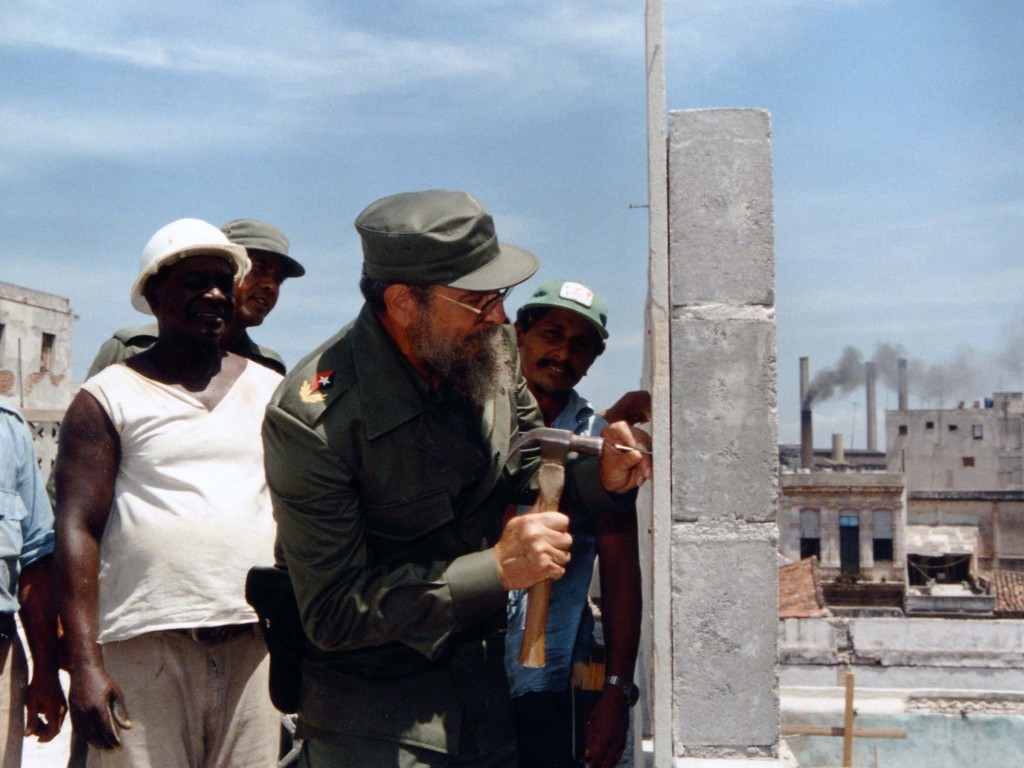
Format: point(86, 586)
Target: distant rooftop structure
point(979, 447)
point(35, 349)
point(35, 361)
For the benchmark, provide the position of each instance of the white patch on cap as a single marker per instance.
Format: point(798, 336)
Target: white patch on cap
point(576, 292)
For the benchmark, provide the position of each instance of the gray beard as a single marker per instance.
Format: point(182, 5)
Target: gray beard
point(477, 368)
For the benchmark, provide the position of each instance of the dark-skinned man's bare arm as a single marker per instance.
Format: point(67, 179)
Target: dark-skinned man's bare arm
point(621, 609)
point(88, 460)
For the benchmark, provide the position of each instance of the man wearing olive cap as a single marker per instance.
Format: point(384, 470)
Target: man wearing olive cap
point(255, 297)
point(163, 509)
point(387, 456)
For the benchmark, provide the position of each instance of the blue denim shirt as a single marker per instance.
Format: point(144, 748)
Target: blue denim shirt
point(570, 627)
point(26, 519)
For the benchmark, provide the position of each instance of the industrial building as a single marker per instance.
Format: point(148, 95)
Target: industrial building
point(923, 527)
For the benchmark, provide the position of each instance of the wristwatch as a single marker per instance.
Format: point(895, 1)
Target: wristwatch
point(631, 692)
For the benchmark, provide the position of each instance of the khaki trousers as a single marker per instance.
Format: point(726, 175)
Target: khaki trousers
point(192, 705)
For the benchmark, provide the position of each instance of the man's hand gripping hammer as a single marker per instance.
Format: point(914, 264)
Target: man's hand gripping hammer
point(555, 446)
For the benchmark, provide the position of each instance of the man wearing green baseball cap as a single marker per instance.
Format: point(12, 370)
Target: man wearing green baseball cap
point(388, 459)
point(561, 330)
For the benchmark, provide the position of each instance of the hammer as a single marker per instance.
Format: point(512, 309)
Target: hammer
point(555, 445)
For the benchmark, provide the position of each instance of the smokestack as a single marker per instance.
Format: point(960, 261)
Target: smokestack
point(901, 384)
point(806, 430)
point(838, 454)
point(869, 375)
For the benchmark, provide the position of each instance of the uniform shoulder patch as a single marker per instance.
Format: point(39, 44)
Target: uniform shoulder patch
point(315, 391)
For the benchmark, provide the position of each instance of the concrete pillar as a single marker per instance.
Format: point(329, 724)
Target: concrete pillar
point(838, 451)
point(724, 492)
point(830, 538)
point(867, 540)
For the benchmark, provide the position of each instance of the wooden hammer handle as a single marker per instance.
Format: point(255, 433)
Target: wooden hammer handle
point(551, 481)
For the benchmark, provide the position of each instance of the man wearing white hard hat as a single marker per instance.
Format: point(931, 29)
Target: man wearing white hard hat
point(255, 297)
point(163, 508)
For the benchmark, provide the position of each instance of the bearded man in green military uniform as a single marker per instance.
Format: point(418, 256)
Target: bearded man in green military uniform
point(388, 459)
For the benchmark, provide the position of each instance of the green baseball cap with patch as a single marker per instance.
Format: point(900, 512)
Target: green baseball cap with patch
point(573, 296)
point(438, 237)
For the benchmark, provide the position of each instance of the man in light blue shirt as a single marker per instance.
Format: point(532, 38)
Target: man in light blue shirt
point(26, 579)
point(561, 330)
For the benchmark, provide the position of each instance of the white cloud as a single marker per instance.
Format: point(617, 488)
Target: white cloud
point(32, 131)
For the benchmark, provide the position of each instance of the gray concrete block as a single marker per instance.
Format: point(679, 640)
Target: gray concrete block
point(721, 233)
point(724, 432)
point(725, 625)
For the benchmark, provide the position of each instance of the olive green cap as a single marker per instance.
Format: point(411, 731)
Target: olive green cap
point(575, 297)
point(438, 237)
point(260, 236)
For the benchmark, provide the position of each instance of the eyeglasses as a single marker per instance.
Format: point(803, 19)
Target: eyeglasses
point(480, 312)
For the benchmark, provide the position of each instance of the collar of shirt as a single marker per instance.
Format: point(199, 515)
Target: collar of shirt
point(579, 416)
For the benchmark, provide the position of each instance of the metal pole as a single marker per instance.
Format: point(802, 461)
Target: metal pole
point(21, 381)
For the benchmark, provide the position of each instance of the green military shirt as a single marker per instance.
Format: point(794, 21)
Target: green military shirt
point(129, 341)
point(384, 504)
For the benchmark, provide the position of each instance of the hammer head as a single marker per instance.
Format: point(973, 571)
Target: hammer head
point(556, 444)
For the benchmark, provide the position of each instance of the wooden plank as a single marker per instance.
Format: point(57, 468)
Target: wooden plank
point(848, 722)
point(835, 730)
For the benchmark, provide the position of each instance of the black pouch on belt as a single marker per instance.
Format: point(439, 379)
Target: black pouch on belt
point(8, 627)
point(269, 591)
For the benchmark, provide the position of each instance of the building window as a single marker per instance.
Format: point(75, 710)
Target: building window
point(929, 425)
point(46, 352)
point(977, 432)
point(968, 461)
point(903, 429)
point(849, 543)
point(810, 533)
point(882, 535)
point(953, 427)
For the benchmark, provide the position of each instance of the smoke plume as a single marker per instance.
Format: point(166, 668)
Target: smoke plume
point(966, 376)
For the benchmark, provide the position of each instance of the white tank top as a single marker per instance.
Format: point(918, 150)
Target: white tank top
point(191, 512)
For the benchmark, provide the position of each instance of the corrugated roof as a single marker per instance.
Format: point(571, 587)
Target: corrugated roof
point(938, 540)
point(1009, 588)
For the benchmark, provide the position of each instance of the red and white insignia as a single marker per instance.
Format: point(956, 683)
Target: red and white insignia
point(313, 391)
point(323, 380)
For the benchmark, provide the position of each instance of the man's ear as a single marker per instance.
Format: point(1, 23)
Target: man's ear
point(400, 304)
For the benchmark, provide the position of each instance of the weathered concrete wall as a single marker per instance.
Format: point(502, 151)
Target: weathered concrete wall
point(35, 379)
point(959, 449)
point(38, 385)
point(724, 437)
point(999, 516)
point(980, 654)
point(944, 729)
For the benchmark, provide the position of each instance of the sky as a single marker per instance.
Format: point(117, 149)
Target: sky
point(898, 160)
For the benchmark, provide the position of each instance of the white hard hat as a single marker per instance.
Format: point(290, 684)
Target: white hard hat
point(181, 238)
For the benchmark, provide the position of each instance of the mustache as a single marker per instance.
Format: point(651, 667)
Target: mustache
point(547, 362)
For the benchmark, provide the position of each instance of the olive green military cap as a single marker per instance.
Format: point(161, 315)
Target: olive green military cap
point(438, 237)
point(260, 236)
point(575, 297)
